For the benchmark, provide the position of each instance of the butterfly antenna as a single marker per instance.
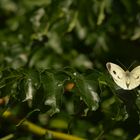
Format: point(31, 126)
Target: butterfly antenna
point(133, 64)
point(121, 64)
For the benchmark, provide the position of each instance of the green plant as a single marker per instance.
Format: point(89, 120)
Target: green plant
point(53, 74)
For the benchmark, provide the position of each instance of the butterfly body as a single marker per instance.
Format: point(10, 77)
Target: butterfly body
point(127, 80)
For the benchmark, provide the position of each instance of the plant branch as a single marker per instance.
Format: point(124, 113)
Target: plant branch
point(39, 130)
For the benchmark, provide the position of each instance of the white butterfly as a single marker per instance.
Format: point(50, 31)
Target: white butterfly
point(127, 80)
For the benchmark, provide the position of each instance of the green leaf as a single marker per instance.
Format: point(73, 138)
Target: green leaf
point(8, 83)
point(28, 85)
point(53, 90)
point(87, 91)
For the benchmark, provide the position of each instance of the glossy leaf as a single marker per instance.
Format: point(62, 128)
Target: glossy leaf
point(53, 90)
point(87, 92)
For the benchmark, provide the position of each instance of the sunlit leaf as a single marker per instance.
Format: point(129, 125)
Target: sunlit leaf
point(53, 89)
point(87, 92)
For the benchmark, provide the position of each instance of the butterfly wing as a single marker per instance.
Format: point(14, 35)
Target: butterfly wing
point(118, 74)
point(134, 78)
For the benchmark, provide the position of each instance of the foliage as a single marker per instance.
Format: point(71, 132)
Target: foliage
point(53, 55)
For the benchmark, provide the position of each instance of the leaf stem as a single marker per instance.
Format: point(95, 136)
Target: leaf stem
point(8, 137)
point(39, 130)
point(137, 137)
